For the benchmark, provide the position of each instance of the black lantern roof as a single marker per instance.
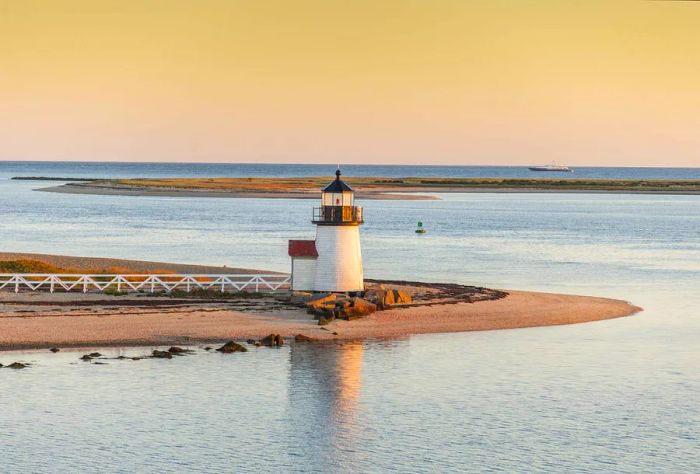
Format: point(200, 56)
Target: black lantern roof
point(337, 186)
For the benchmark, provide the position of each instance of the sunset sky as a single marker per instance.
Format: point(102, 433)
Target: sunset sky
point(609, 83)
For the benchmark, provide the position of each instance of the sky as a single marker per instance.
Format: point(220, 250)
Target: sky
point(492, 82)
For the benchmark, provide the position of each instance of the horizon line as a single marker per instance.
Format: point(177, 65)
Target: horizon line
point(334, 164)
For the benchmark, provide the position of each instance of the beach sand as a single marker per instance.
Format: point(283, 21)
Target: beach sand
point(41, 319)
point(77, 320)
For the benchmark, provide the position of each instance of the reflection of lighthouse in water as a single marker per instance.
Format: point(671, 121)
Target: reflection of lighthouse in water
point(324, 392)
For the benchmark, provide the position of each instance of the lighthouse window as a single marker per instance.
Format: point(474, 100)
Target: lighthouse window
point(337, 199)
point(348, 198)
point(330, 199)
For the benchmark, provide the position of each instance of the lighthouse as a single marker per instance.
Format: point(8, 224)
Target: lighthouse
point(332, 262)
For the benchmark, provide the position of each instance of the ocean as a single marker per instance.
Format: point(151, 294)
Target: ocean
point(612, 396)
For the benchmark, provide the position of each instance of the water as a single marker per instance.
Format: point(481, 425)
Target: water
point(616, 396)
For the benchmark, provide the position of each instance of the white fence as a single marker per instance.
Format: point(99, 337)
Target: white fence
point(144, 283)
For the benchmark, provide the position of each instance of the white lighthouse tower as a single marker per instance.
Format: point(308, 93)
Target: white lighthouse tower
point(332, 262)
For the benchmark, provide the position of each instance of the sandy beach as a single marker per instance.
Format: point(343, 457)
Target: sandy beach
point(76, 320)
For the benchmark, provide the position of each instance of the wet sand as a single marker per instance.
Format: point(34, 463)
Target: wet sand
point(29, 321)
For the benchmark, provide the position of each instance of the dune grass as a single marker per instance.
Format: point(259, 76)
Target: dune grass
point(28, 266)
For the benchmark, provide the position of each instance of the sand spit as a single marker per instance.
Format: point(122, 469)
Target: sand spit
point(122, 191)
point(29, 321)
point(367, 187)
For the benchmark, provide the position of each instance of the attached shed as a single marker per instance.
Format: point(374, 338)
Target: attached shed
point(304, 255)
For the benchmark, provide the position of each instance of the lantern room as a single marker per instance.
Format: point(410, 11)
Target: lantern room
point(337, 194)
point(337, 205)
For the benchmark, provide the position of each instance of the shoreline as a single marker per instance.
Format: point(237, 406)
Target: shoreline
point(409, 188)
point(41, 320)
point(116, 191)
point(150, 323)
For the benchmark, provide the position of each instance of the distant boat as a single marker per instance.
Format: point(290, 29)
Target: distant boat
point(420, 229)
point(552, 167)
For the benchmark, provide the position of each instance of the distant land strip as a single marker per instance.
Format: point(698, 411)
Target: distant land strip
point(50, 178)
point(367, 187)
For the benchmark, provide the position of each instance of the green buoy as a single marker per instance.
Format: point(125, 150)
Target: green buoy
point(420, 229)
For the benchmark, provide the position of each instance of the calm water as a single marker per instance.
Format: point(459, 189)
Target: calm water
point(617, 396)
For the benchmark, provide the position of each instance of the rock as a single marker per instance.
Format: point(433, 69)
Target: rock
point(54, 349)
point(136, 358)
point(324, 320)
point(403, 297)
point(384, 298)
point(300, 297)
point(251, 342)
point(232, 346)
point(389, 299)
point(343, 302)
point(371, 295)
point(156, 354)
point(0, 365)
point(207, 348)
point(324, 308)
point(303, 338)
point(178, 350)
point(377, 297)
point(86, 357)
point(16, 365)
point(272, 340)
point(322, 300)
point(335, 333)
point(360, 307)
point(95, 354)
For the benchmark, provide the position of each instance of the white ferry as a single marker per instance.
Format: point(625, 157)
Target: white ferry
point(552, 167)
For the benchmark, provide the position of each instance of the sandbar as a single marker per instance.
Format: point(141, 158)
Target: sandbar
point(410, 188)
point(42, 320)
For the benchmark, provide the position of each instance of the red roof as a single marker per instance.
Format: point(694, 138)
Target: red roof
point(302, 248)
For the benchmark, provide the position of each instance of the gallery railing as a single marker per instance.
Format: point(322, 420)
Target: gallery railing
point(337, 215)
